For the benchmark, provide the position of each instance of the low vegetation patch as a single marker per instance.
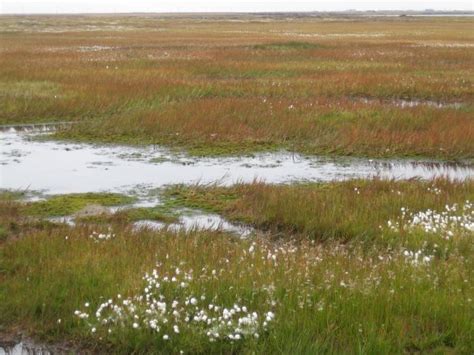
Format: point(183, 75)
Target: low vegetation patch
point(14, 222)
point(222, 126)
point(65, 205)
point(132, 214)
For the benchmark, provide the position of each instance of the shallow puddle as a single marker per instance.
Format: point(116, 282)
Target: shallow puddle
point(69, 220)
point(58, 168)
point(195, 220)
point(403, 103)
point(198, 221)
point(25, 348)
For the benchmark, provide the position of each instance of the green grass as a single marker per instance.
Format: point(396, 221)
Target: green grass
point(129, 215)
point(345, 211)
point(225, 126)
point(65, 205)
point(13, 220)
point(29, 89)
point(328, 299)
point(336, 282)
point(197, 148)
point(6, 194)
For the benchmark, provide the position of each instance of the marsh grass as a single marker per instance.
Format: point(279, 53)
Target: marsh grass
point(340, 265)
point(236, 126)
point(128, 215)
point(210, 88)
point(335, 281)
point(356, 210)
point(12, 195)
point(13, 221)
point(66, 205)
point(326, 298)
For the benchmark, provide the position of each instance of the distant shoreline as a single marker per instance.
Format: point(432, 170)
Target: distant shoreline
point(282, 14)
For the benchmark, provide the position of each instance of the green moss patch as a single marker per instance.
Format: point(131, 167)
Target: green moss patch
point(64, 205)
point(129, 215)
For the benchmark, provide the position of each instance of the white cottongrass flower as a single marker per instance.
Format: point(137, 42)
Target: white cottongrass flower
point(152, 310)
point(454, 220)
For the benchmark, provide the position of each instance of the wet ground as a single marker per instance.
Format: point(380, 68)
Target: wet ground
point(52, 167)
point(198, 221)
point(23, 349)
point(188, 220)
point(58, 168)
point(28, 347)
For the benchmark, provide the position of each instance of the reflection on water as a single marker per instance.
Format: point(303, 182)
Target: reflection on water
point(58, 167)
point(25, 348)
point(198, 221)
point(195, 220)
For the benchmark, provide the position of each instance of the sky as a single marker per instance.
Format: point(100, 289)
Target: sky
point(112, 6)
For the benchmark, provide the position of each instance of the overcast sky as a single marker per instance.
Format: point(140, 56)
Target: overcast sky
point(75, 6)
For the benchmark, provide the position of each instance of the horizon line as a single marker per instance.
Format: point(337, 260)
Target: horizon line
point(429, 11)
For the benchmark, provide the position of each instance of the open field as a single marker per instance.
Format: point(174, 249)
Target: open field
point(378, 87)
point(238, 184)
